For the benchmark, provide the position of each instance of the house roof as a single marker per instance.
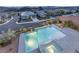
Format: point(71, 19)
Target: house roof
point(41, 13)
point(27, 13)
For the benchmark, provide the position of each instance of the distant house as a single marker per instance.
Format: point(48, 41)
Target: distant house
point(41, 14)
point(27, 14)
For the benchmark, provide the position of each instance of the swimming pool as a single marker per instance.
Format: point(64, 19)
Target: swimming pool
point(41, 36)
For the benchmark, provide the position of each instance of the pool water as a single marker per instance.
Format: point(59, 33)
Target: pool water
point(47, 34)
point(41, 36)
point(31, 42)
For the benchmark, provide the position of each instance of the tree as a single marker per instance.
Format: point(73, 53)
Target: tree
point(11, 33)
point(60, 12)
point(77, 11)
point(6, 37)
point(50, 12)
point(69, 12)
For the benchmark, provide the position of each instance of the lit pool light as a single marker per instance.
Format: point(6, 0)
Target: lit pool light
point(30, 43)
point(51, 47)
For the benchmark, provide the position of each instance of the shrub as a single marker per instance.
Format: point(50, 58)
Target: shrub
point(70, 24)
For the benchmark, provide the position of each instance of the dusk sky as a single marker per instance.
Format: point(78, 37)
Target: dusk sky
point(38, 2)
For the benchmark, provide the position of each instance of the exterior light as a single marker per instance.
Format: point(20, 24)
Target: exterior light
point(50, 49)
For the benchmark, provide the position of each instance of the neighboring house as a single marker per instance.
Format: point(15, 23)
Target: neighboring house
point(5, 17)
point(41, 13)
point(27, 14)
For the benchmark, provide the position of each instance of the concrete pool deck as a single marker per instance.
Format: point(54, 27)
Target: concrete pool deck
point(71, 42)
